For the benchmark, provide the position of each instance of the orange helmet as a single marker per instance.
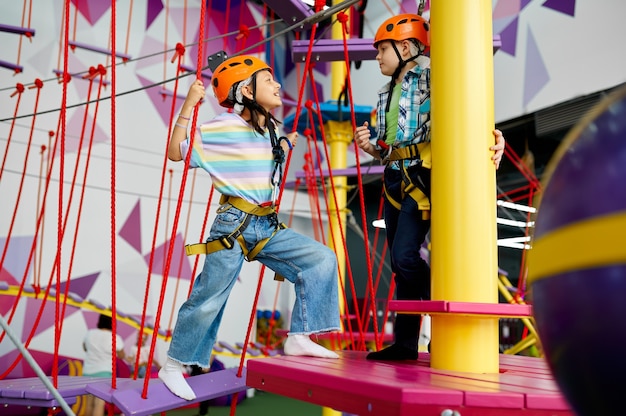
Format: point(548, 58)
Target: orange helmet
point(232, 71)
point(404, 26)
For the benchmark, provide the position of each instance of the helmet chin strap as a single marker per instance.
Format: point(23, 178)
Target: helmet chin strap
point(396, 73)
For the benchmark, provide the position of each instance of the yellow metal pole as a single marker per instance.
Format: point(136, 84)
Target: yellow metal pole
point(338, 149)
point(464, 236)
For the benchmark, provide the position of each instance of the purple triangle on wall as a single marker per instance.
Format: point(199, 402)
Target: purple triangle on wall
point(508, 37)
point(179, 262)
point(131, 230)
point(567, 7)
point(81, 285)
point(92, 9)
point(536, 74)
point(153, 10)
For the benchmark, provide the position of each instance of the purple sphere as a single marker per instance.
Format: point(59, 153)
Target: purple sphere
point(581, 311)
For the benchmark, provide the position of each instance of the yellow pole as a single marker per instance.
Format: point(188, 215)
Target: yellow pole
point(464, 257)
point(338, 149)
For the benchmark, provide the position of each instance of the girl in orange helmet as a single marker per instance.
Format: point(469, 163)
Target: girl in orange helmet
point(244, 156)
point(403, 144)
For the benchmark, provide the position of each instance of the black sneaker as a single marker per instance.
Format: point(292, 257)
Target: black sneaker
point(393, 353)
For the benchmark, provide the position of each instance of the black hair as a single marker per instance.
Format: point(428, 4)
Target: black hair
point(105, 322)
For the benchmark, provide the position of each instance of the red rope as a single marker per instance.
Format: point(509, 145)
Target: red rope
point(101, 71)
point(113, 196)
point(180, 50)
point(19, 89)
point(130, 17)
point(170, 250)
point(27, 267)
point(38, 85)
point(337, 210)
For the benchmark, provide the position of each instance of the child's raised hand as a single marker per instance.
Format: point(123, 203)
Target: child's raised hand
point(498, 148)
point(196, 93)
point(362, 138)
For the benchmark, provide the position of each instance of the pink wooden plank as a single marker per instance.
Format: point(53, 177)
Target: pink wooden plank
point(340, 383)
point(461, 308)
point(376, 395)
point(421, 306)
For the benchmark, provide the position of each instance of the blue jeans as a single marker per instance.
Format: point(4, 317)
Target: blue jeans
point(406, 232)
point(308, 264)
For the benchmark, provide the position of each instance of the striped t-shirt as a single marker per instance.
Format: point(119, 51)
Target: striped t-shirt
point(239, 159)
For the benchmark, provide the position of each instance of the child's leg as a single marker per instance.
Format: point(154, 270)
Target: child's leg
point(312, 268)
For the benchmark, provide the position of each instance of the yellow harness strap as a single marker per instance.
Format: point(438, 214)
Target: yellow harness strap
point(416, 151)
point(227, 242)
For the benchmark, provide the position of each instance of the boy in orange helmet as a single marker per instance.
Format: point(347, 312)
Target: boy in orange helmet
point(403, 144)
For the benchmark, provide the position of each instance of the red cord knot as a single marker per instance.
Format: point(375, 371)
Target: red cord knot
point(43, 149)
point(308, 104)
point(37, 84)
point(307, 132)
point(19, 88)
point(65, 78)
point(180, 51)
point(50, 133)
point(91, 74)
point(343, 19)
point(102, 70)
point(244, 32)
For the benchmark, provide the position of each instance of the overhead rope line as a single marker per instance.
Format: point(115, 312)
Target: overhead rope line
point(308, 20)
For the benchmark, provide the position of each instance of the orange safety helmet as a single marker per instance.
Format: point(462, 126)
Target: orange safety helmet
point(404, 26)
point(232, 71)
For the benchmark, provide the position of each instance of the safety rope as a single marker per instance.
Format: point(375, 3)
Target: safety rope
point(113, 196)
point(19, 89)
point(170, 250)
point(27, 34)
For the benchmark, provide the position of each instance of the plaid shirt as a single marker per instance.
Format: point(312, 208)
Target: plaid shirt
point(413, 111)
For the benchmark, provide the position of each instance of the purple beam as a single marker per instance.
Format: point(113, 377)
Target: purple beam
point(16, 29)
point(14, 67)
point(74, 45)
point(190, 69)
point(291, 11)
point(359, 49)
point(332, 50)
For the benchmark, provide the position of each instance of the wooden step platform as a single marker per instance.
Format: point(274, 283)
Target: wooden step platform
point(355, 385)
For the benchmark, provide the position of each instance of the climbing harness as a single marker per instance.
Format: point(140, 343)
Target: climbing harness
point(250, 209)
point(417, 191)
point(229, 241)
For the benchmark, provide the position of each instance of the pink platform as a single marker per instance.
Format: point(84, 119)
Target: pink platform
point(355, 385)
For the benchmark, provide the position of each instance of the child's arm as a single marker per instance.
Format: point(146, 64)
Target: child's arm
point(498, 148)
point(179, 132)
point(293, 139)
point(362, 138)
